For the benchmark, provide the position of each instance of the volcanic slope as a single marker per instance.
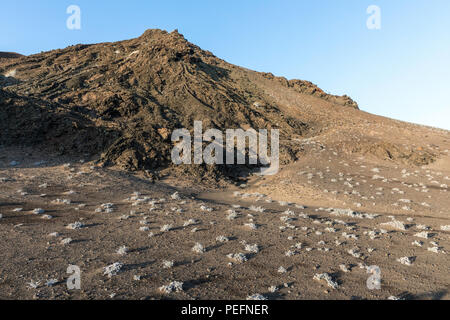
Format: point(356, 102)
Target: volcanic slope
point(119, 102)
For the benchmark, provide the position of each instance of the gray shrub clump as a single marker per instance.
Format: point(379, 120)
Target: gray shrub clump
point(76, 225)
point(113, 269)
point(329, 280)
point(176, 286)
point(256, 297)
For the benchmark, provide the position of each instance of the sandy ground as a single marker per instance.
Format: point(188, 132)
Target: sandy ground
point(288, 229)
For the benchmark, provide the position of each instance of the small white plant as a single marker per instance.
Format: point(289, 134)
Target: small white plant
point(33, 284)
point(175, 196)
point(168, 264)
point(257, 209)
point(355, 253)
point(436, 249)
point(190, 222)
point(281, 270)
point(417, 243)
point(273, 289)
point(113, 269)
point(251, 226)
point(222, 239)
point(423, 234)
point(76, 225)
point(256, 297)
point(176, 286)
point(329, 280)
point(252, 248)
point(232, 215)
point(395, 224)
point(66, 241)
point(198, 248)
point(344, 268)
point(166, 228)
point(406, 260)
point(205, 208)
point(123, 250)
point(62, 201)
point(51, 282)
point(237, 257)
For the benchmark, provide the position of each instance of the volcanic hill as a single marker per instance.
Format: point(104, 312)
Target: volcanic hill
point(120, 101)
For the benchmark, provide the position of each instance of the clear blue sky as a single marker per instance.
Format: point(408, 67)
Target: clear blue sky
point(401, 71)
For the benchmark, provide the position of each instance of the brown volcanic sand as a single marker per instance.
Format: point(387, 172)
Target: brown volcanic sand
point(99, 104)
point(29, 253)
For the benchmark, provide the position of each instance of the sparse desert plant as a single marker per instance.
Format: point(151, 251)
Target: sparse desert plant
point(406, 260)
point(222, 239)
point(166, 228)
point(423, 234)
point(66, 241)
point(198, 248)
point(281, 270)
point(123, 250)
point(251, 226)
point(257, 209)
point(273, 289)
point(113, 269)
point(190, 222)
point(175, 196)
point(237, 257)
point(76, 225)
point(176, 286)
point(252, 248)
